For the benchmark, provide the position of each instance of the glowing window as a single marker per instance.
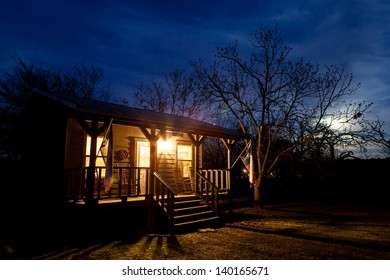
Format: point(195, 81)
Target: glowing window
point(100, 155)
point(184, 159)
point(143, 154)
point(184, 152)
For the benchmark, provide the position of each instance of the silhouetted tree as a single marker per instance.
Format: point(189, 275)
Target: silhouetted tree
point(290, 107)
point(17, 84)
point(177, 94)
point(86, 82)
point(376, 136)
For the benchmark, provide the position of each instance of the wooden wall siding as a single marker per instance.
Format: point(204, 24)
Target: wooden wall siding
point(124, 139)
point(75, 145)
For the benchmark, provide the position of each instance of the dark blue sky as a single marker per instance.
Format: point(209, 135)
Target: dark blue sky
point(139, 41)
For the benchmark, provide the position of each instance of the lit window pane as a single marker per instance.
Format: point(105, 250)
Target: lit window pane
point(184, 152)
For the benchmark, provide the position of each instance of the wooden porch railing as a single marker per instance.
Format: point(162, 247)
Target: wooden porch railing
point(75, 183)
point(135, 181)
point(208, 191)
point(219, 177)
point(211, 184)
point(126, 182)
point(164, 195)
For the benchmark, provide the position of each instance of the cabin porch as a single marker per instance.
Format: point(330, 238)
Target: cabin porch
point(182, 201)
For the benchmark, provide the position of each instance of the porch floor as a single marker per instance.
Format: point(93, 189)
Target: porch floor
point(124, 199)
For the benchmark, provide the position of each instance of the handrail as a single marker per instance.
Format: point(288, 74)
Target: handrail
point(210, 196)
point(165, 197)
point(161, 179)
point(208, 181)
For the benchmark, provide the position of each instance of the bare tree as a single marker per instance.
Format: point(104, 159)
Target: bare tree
point(17, 84)
point(87, 83)
point(329, 121)
point(374, 134)
point(178, 95)
point(289, 107)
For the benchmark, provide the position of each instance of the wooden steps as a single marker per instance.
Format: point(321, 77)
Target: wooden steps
point(191, 213)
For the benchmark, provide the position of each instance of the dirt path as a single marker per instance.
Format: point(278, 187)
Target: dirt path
point(281, 232)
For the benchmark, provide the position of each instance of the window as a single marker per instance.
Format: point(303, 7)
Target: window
point(100, 153)
point(184, 159)
point(143, 154)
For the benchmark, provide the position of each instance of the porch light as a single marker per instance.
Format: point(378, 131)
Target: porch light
point(165, 145)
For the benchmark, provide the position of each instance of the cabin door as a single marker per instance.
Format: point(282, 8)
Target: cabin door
point(184, 163)
point(143, 160)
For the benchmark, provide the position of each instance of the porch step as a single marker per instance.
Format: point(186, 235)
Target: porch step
point(201, 222)
point(191, 213)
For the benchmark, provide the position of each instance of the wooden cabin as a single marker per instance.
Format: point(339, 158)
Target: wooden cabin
point(87, 154)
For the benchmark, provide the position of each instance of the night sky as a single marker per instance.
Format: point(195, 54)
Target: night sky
point(140, 41)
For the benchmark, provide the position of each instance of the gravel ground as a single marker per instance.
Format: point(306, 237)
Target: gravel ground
point(297, 231)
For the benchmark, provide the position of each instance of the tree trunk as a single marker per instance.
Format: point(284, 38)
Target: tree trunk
point(257, 194)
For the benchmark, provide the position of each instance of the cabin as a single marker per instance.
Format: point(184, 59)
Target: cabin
point(87, 156)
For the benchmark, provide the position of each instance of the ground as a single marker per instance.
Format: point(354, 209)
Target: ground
point(298, 231)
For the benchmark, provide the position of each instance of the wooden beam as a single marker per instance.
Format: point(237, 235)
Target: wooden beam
point(103, 127)
point(154, 135)
point(229, 143)
point(92, 165)
point(92, 130)
point(197, 139)
point(88, 129)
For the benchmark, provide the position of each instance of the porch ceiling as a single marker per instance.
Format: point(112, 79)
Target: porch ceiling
point(93, 109)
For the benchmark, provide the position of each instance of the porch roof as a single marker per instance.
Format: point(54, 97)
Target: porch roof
point(137, 117)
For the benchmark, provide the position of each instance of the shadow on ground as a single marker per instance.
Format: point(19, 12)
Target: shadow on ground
point(282, 231)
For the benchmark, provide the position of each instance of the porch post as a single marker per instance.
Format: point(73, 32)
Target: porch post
point(153, 136)
point(229, 144)
point(92, 164)
point(153, 164)
point(196, 166)
point(93, 131)
point(197, 140)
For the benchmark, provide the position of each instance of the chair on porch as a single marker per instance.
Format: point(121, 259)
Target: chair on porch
point(184, 184)
point(174, 175)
